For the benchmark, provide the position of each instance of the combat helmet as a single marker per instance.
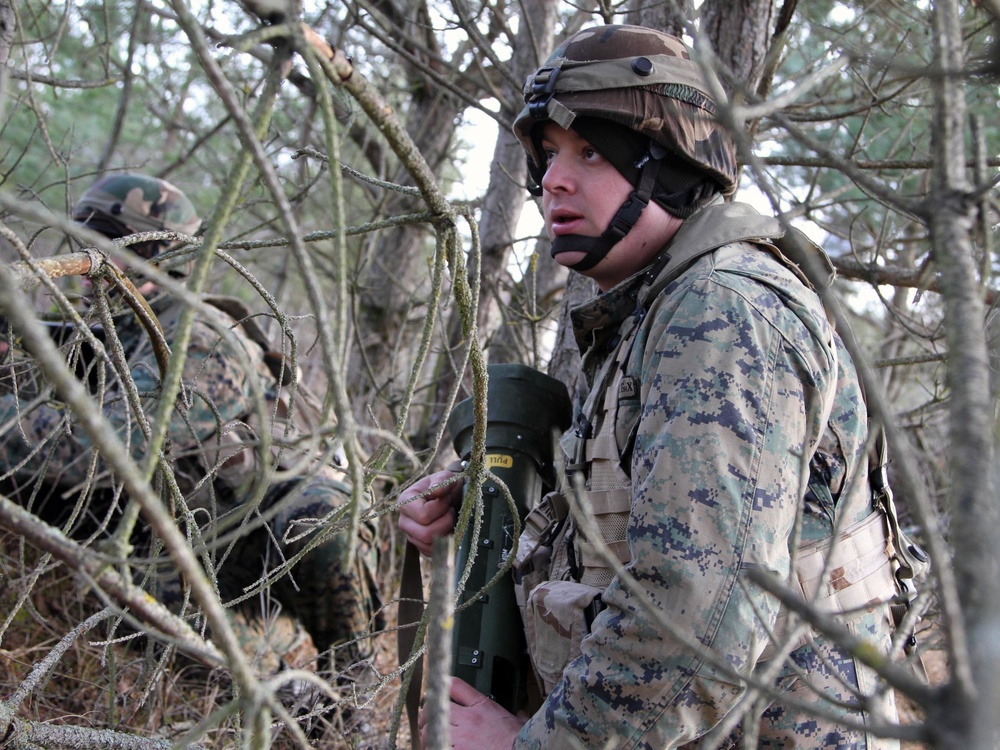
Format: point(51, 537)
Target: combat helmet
point(126, 203)
point(635, 94)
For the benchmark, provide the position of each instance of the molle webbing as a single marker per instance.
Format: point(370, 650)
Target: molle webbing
point(609, 488)
point(540, 525)
point(847, 576)
point(849, 572)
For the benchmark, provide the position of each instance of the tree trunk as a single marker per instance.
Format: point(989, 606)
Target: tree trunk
point(669, 17)
point(508, 175)
point(395, 277)
point(502, 205)
point(7, 27)
point(740, 32)
point(976, 513)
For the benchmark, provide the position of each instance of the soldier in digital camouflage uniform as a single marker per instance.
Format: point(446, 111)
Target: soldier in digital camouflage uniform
point(229, 397)
point(722, 405)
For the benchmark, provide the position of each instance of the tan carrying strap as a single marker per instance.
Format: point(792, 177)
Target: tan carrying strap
point(409, 614)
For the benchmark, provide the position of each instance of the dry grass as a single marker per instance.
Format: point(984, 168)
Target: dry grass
point(132, 686)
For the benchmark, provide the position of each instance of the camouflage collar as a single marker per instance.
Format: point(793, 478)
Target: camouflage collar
point(713, 226)
point(598, 319)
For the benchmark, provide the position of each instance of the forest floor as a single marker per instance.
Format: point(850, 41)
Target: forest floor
point(127, 686)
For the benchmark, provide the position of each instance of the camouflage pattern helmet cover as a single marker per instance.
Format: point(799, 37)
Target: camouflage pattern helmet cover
point(131, 203)
point(637, 77)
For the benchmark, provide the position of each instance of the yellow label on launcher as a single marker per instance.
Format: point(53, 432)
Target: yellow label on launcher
point(499, 461)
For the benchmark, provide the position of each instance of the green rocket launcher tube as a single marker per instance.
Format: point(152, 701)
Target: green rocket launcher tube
point(524, 409)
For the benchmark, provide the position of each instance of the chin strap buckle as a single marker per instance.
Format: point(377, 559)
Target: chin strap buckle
point(626, 217)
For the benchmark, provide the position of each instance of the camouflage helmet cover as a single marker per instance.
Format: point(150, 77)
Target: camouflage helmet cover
point(138, 203)
point(640, 78)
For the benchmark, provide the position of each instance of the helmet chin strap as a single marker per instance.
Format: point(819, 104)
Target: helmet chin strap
point(595, 249)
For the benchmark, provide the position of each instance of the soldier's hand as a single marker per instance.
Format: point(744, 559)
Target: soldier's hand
point(477, 723)
point(433, 511)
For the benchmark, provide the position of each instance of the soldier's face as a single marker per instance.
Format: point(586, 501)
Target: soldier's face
point(581, 192)
point(145, 288)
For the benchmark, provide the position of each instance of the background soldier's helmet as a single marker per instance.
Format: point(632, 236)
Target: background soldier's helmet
point(643, 84)
point(122, 204)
